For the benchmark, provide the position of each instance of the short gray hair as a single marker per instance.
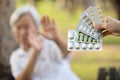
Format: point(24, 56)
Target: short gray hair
point(26, 9)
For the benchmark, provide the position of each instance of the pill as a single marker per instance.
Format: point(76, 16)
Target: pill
point(83, 46)
point(90, 46)
point(71, 45)
point(77, 45)
point(71, 35)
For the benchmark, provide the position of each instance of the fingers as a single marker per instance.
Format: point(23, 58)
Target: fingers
point(32, 31)
point(37, 43)
point(99, 27)
point(106, 19)
point(116, 34)
point(47, 24)
point(53, 21)
point(104, 25)
point(32, 34)
point(106, 33)
point(45, 20)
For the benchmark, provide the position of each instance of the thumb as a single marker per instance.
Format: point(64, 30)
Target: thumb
point(106, 33)
point(99, 27)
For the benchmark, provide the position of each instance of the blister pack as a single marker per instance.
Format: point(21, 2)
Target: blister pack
point(91, 17)
point(85, 42)
point(85, 37)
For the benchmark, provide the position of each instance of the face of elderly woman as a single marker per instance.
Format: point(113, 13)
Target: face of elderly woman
point(22, 28)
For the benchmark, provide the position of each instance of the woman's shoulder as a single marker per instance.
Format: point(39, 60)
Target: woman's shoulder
point(16, 53)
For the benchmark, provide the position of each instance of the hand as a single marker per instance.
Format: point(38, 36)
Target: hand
point(51, 32)
point(110, 26)
point(35, 42)
point(49, 28)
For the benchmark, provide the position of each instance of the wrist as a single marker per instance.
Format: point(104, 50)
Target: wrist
point(35, 51)
point(57, 38)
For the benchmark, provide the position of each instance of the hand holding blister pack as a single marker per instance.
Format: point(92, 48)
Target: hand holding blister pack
point(85, 37)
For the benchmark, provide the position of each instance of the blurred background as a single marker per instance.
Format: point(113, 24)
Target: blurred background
point(66, 14)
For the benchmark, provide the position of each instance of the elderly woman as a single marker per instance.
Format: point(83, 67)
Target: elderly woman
point(41, 56)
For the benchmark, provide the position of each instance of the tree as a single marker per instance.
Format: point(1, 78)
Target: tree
point(31, 2)
point(116, 4)
point(71, 5)
point(7, 42)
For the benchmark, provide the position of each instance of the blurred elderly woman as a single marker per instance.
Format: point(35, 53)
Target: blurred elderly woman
point(40, 56)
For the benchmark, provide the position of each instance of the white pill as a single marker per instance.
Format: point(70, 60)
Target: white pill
point(91, 33)
point(90, 46)
point(88, 31)
point(77, 45)
point(83, 45)
point(70, 45)
point(84, 29)
point(71, 35)
point(97, 46)
point(80, 27)
point(95, 34)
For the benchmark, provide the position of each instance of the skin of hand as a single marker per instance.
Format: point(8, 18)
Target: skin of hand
point(110, 26)
point(35, 42)
point(51, 32)
point(50, 28)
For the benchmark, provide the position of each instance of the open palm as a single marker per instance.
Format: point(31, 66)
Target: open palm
point(49, 28)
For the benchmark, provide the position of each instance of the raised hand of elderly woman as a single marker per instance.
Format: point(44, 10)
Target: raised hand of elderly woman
point(51, 32)
point(50, 28)
point(34, 40)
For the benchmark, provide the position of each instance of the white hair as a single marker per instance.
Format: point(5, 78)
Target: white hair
point(26, 9)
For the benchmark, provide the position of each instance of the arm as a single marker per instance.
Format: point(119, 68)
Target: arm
point(26, 74)
point(62, 44)
point(36, 44)
point(51, 32)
